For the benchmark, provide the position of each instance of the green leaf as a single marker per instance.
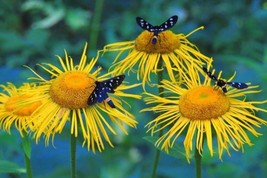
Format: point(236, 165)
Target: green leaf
point(52, 14)
point(77, 18)
point(10, 167)
point(26, 145)
point(53, 17)
point(176, 151)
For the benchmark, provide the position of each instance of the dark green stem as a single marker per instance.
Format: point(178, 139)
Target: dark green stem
point(160, 78)
point(160, 90)
point(73, 155)
point(28, 165)
point(95, 24)
point(156, 161)
point(26, 145)
point(198, 163)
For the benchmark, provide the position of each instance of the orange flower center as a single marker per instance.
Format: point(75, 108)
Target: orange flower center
point(72, 89)
point(19, 106)
point(203, 103)
point(167, 42)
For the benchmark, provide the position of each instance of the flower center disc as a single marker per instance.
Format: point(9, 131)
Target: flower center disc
point(167, 42)
point(203, 103)
point(72, 89)
point(17, 105)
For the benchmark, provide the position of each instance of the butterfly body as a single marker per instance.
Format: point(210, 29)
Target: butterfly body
point(102, 89)
point(222, 83)
point(156, 29)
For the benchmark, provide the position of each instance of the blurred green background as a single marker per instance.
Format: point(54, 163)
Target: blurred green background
point(35, 31)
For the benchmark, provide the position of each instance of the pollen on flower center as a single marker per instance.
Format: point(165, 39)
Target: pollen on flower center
point(72, 89)
point(203, 103)
point(167, 42)
point(17, 105)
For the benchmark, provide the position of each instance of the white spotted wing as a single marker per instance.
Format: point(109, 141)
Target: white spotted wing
point(102, 88)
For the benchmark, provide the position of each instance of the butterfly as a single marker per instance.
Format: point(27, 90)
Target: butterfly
point(222, 83)
point(156, 29)
point(102, 88)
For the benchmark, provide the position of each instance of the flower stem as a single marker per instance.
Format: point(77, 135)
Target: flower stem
point(28, 165)
point(198, 163)
point(160, 90)
point(73, 155)
point(26, 145)
point(156, 161)
point(160, 77)
point(95, 24)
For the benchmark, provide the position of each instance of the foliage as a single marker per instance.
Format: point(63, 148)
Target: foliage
point(35, 31)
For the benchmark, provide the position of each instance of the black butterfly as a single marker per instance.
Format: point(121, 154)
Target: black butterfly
point(222, 83)
point(102, 88)
point(156, 29)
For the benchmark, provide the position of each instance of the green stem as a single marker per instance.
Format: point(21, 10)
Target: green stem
point(73, 155)
point(156, 161)
point(28, 165)
point(157, 154)
point(198, 163)
point(26, 146)
point(160, 78)
point(95, 24)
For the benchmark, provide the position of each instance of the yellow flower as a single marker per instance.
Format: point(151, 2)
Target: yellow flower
point(196, 111)
point(16, 108)
point(65, 100)
point(174, 50)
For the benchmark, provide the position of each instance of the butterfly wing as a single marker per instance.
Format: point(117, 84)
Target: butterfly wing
point(111, 84)
point(238, 85)
point(168, 23)
point(97, 96)
point(93, 97)
point(144, 24)
point(102, 88)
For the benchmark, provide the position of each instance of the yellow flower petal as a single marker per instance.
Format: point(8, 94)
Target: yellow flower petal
point(17, 106)
point(203, 112)
point(65, 102)
point(176, 52)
